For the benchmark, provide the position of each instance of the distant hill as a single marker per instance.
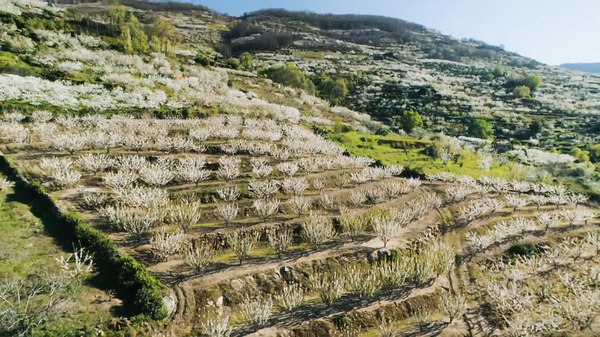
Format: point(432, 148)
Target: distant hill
point(586, 67)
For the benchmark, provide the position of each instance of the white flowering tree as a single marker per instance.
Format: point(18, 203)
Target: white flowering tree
point(256, 311)
point(226, 212)
point(280, 239)
point(164, 244)
point(242, 242)
point(317, 229)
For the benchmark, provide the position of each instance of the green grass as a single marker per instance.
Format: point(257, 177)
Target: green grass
point(409, 152)
point(26, 250)
point(309, 55)
point(217, 26)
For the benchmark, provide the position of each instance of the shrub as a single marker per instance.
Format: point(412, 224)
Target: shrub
point(480, 129)
point(499, 72)
point(532, 81)
point(522, 91)
point(202, 60)
point(234, 63)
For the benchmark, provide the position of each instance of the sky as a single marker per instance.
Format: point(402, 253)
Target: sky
point(550, 31)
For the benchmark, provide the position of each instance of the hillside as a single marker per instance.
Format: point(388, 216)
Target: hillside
point(170, 171)
point(585, 67)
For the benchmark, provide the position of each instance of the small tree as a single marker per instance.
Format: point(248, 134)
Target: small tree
point(453, 305)
point(165, 244)
point(291, 297)
point(265, 207)
point(246, 60)
point(242, 242)
point(410, 120)
point(351, 222)
point(256, 311)
point(330, 287)
point(125, 41)
point(385, 228)
point(301, 204)
point(199, 256)
point(216, 324)
point(280, 239)
point(317, 230)
point(480, 129)
point(227, 212)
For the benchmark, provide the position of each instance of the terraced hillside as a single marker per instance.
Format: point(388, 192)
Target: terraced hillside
point(202, 200)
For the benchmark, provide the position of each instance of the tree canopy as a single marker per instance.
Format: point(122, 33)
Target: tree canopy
point(290, 76)
point(410, 120)
point(480, 128)
point(333, 90)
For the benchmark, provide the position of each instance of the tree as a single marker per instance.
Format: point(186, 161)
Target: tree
point(246, 60)
point(290, 76)
point(385, 227)
point(317, 230)
point(116, 14)
point(453, 305)
point(242, 242)
point(139, 40)
point(522, 91)
point(595, 152)
point(199, 256)
point(410, 120)
point(532, 81)
point(165, 244)
point(498, 72)
point(291, 297)
point(329, 286)
point(227, 212)
point(256, 311)
point(28, 304)
point(280, 239)
point(155, 44)
point(125, 41)
point(332, 90)
point(538, 125)
point(480, 129)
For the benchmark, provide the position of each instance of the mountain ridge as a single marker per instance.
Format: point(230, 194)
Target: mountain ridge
point(589, 67)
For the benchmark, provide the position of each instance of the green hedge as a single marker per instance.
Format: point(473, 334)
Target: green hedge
point(141, 293)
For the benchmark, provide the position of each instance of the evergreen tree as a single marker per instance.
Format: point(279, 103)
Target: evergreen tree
point(125, 40)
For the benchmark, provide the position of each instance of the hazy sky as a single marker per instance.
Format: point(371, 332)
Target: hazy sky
point(550, 31)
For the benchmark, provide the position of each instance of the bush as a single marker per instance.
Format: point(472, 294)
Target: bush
point(202, 60)
point(499, 72)
point(532, 81)
point(522, 91)
point(480, 129)
point(525, 249)
point(234, 63)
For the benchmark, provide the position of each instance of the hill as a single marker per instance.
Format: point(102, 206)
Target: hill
point(166, 170)
point(585, 67)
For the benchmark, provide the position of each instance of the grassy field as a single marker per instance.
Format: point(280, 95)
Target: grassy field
point(25, 251)
point(410, 152)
